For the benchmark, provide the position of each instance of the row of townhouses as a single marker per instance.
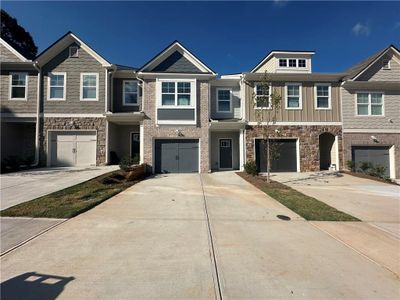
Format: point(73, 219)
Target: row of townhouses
point(72, 107)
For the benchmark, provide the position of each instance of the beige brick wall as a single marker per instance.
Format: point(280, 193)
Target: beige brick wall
point(153, 131)
point(384, 139)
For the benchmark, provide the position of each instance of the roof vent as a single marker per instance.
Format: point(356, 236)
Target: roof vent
point(73, 51)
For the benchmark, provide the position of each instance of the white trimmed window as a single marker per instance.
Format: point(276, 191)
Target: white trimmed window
point(263, 93)
point(322, 96)
point(369, 104)
point(293, 96)
point(130, 92)
point(18, 86)
point(224, 100)
point(292, 63)
point(283, 62)
point(56, 86)
point(302, 63)
point(89, 86)
point(177, 93)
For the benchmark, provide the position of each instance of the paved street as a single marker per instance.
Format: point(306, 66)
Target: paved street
point(198, 237)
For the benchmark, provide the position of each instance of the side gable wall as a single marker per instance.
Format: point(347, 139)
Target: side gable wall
point(7, 56)
point(377, 73)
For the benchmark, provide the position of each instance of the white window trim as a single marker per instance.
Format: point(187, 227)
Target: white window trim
point(388, 63)
point(278, 66)
point(193, 86)
point(329, 96)
point(298, 63)
point(123, 93)
point(48, 86)
point(369, 103)
point(97, 87)
point(300, 96)
point(230, 100)
point(26, 86)
point(269, 95)
point(77, 51)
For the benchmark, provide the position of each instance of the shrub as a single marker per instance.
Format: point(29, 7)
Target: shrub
point(126, 163)
point(251, 167)
point(136, 159)
point(351, 165)
point(365, 166)
point(378, 171)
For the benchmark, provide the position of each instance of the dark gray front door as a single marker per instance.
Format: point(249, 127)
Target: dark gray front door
point(284, 158)
point(376, 155)
point(225, 153)
point(135, 145)
point(176, 156)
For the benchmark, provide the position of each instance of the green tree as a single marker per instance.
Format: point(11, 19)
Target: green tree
point(17, 36)
point(267, 103)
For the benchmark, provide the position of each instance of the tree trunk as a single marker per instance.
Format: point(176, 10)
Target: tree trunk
point(268, 161)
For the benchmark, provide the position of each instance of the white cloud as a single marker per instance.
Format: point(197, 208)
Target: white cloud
point(361, 29)
point(280, 2)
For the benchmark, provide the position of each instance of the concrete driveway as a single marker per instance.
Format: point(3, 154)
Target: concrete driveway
point(23, 186)
point(192, 237)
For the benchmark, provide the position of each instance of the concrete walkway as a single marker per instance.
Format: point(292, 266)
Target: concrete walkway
point(192, 237)
point(23, 186)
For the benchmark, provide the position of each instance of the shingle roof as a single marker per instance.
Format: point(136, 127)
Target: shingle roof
point(123, 67)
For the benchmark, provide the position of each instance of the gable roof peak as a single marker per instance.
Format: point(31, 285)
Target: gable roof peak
point(13, 50)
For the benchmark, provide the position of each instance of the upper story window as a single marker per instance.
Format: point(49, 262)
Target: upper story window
point(302, 63)
point(262, 96)
point(56, 86)
point(224, 100)
point(130, 92)
point(293, 96)
point(386, 64)
point(73, 51)
point(18, 86)
point(292, 63)
point(89, 86)
point(369, 104)
point(177, 93)
point(322, 96)
point(283, 62)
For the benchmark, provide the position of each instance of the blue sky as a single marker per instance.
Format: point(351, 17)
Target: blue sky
point(230, 37)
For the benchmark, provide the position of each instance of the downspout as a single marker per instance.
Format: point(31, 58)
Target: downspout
point(39, 77)
point(141, 126)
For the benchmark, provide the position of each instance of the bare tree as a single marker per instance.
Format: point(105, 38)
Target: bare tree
point(267, 103)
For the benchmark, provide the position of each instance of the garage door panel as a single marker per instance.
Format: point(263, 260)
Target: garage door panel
point(376, 155)
point(284, 161)
point(64, 153)
point(188, 158)
point(86, 153)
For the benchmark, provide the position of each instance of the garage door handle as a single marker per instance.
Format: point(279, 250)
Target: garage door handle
point(73, 150)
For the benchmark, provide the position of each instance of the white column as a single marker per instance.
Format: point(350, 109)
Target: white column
point(107, 144)
point(141, 137)
point(241, 149)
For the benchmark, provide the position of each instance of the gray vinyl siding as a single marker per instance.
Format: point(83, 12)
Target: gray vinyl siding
point(85, 63)
point(236, 109)
point(377, 73)
point(118, 97)
point(176, 63)
point(215, 136)
point(120, 138)
point(18, 106)
point(308, 113)
point(391, 112)
point(176, 114)
point(7, 56)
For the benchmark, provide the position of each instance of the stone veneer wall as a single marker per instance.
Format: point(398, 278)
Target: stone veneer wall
point(309, 142)
point(199, 131)
point(71, 124)
point(384, 139)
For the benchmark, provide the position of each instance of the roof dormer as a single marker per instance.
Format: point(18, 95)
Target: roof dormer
point(285, 62)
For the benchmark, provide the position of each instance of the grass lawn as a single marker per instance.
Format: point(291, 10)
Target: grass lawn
point(74, 200)
point(309, 208)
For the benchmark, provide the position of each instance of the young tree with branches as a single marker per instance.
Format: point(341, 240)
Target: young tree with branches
point(267, 103)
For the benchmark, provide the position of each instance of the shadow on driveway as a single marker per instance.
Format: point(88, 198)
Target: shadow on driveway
point(33, 285)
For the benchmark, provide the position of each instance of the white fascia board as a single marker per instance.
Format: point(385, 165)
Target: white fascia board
point(13, 51)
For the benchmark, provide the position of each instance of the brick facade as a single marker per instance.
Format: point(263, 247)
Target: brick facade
point(309, 142)
point(71, 124)
point(153, 131)
point(364, 139)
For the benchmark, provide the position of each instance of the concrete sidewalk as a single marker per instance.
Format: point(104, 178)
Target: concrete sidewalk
point(23, 186)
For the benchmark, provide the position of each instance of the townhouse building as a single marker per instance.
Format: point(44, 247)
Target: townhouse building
point(72, 107)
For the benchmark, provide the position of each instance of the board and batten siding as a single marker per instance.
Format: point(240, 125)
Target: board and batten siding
point(308, 113)
point(390, 120)
point(118, 101)
point(18, 106)
point(377, 73)
point(236, 109)
point(73, 67)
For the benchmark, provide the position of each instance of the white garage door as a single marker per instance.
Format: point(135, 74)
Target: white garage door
point(72, 148)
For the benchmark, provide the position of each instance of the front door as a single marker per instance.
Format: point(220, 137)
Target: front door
point(225, 153)
point(135, 146)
